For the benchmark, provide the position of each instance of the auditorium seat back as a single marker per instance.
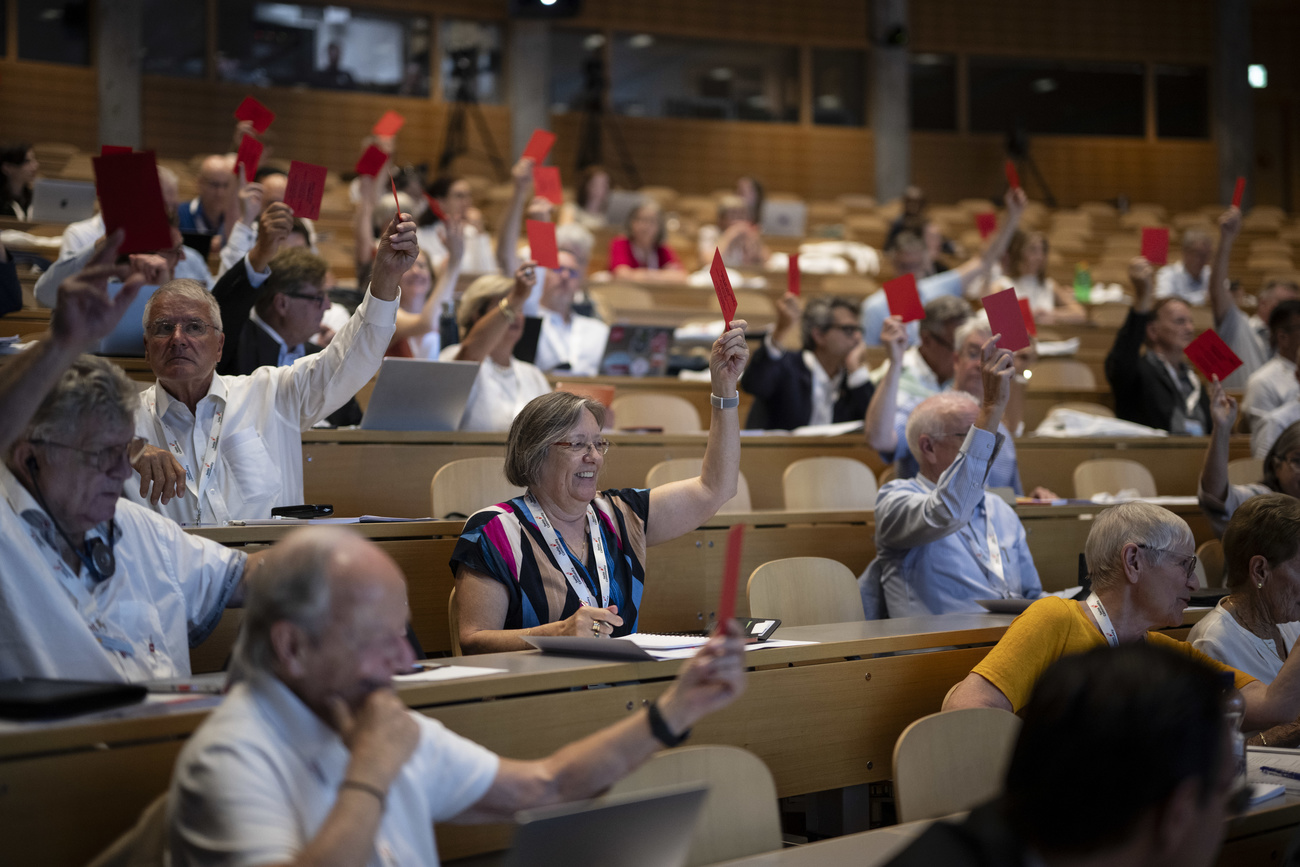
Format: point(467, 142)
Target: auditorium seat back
point(678, 469)
point(805, 591)
point(952, 761)
point(828, 483)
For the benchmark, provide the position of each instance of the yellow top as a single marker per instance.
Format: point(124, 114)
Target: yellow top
point(1049, 629)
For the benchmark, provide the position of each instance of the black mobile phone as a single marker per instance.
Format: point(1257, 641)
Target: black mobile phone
point(306, 510)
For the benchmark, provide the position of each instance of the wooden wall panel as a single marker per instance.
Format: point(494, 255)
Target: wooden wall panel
point(49, 102)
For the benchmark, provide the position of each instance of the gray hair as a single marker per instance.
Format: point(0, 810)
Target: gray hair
point(942, 311)
point(931, 416)
point(1140, 523)
point(91, 390)
point(978, 323)
point(190, 290)
point(1195, 237)
point(818, 316)
point(576, 239)
point(478, 299)
point(543, 421)
point(291, 584)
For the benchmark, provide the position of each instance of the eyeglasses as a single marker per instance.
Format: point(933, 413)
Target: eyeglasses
point(1292, 461)
point(194, 328)
point(850, 330)
point(320, 300)
point(1188, 561)
point(568, 273)
point(601, 446)
point(107, 458)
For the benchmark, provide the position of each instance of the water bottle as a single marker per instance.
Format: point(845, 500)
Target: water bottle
point(1234, 708)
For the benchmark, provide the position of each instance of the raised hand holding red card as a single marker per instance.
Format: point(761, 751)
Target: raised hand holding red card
point(130, 198)
point(371, 162)
point(108, 150)
point(1212, 356)
point(904, 299)
point(1005, 319)
point(539, 146)
point(987, 223)
point(541, 243)
point(305, 189)
point(257, 114)
point(389, 125)
point(1027, 314)
point(250, 154)
point(547, 181)
point(792, 279)
point(722, 287)
point(731, 574)
point(1155, 245)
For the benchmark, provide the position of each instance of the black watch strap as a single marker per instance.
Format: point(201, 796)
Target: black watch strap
point(660, 729)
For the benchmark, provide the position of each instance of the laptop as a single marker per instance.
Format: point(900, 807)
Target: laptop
point(784, 218)
point(619, 208)
point(127, 337)
point(59, 201)
point(39, 698)
point(199, 242)
point(526, 347)
point(637, 350)
point(416, 394)
point(651, 828)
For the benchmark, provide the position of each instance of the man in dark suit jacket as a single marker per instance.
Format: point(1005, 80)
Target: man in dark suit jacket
point(826, 382)
point(1158, 389)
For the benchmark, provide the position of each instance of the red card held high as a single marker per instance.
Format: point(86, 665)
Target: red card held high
point(987, 224)
point(435, 207)
point(130, 198)
point(541, 243)
point(305, 189)
point(1005, 319)
point(547, 181)
point(722, 286)
point(731, 574)
point(1028, 315)
point(539, 145)
point(390, 124)
point(1238, 191)
point(371, 162)
point(1155, 245)
point(252, 110)
point(792, 280)
point(106, 150)
point(397, 203)
point(250, 154)
point(1214, 357)
point(904, 300)
point(1013, 177)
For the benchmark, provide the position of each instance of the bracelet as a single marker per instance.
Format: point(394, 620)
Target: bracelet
point(366, 787)
point(724, 402)
point(1262, 740)
point(659, 728)
point(507, 311)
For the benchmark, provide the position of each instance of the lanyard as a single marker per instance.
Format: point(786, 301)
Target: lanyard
point(561, 553)
point(995, 555)
point(197, 483)
point(1103, 619)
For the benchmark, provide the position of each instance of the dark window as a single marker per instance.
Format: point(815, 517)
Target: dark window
point(1182, 102)
point(175, 38)
point(839, 87)
point(327, 47)
point(4, 28)
point(934, 92)
point(56, 31)
point(1067, 98)
point(577, 69)
point(655, 76)
point(471, 61)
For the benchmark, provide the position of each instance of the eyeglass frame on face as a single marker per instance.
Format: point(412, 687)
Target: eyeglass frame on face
point(847, 328)
point(321, 300)
point(1293, 461)
point(162, 328)
point(103, 460)
point(1190, 566)
point(601, 447)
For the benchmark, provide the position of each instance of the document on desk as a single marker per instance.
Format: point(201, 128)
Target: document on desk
point(1274, 766)
point(434, 672)
point(688, 652)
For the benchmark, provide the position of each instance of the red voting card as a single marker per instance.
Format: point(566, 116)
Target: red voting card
point(539, 145)
point(252, 110)
point(541, 242)
point(722, 286)
point(986, 223)
point(305, 189)
point(547, 181)
point(1013, 177)
point(1214, 357)
point(1238, 191)
point(731, 574)
point(904, 300)
point(1028, 315)
point(107, 150)
point(390, 124)
point(130, 198)
point(397, 203)
point(371, 162)
point(435, 207)
point(792, 280)
point(250, 154)
point(1003, 309)
point(1155, 245)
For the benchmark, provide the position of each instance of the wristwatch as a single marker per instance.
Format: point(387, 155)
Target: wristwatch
point(724, 402)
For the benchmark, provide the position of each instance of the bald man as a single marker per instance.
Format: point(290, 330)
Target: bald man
point(206, 212)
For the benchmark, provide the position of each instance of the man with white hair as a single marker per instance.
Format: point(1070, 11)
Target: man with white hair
point(314, 758)
point(942, 541)
point(1188, 278)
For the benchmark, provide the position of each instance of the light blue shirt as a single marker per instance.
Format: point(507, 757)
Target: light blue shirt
point(876, 308)
point(1004, 471)
point(932, 545)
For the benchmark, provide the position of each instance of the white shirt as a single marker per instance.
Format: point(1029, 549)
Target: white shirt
point(288, 354)
point(476, 259)
point(1245, 340)
point(1270, 427)
point(167, 593)
point(1221, 636)
point(1268, 388)
point(1173, 279)
point(917, 381)
point(499, 392)
point(255, 783)
point(191, 266)
point(580, 342)
point(259, 452)
point(1041, 293)
point(243, 237)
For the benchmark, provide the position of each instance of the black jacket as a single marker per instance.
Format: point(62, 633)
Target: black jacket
point(782, 390)
point(1144, 391)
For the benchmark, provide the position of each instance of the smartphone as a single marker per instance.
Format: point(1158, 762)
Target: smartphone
point(306, 510)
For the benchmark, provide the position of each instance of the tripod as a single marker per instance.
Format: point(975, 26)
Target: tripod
point(1018, 150)
point(464, 106)
point(595, 122)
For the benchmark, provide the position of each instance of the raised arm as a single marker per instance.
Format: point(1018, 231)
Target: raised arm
point(395, 255)
point(1220, 295)
point(487, 332)
point(419, 324)
point(1276, 704)
point(679, 507)
point(1016, 200)
point(1214, 472)
point(363, 222)
point(879, 427)
point(508, 232)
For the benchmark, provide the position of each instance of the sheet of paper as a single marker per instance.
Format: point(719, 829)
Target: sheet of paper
point(731, 573)
point(833, 429)
point(722, 288)
point(1155, 245)
point(1003, 309)
point(1212, 356)
point(541, 243)
point(305, 189)
point(252, 110)
point(904, 299)
point(130, 198)
point(371, 162)
point(445, 672)
point(688, 652)
point(1027, 314)
point(547, 181)
point(389, 125)
point(654, 641)
point(987, 223)
point(250, 154)
point(539, 146)
point(792, 278)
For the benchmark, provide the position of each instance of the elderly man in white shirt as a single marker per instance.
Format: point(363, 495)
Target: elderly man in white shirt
point(1189, 278)
point(230, 447)
point(91, 587)
point(569, 341)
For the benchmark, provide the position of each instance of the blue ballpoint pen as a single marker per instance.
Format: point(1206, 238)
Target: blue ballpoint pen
point(1278, 772)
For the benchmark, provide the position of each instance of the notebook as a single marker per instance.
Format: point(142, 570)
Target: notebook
point(417, 394)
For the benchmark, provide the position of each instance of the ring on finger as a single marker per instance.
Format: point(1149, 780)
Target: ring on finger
point(595, 628)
